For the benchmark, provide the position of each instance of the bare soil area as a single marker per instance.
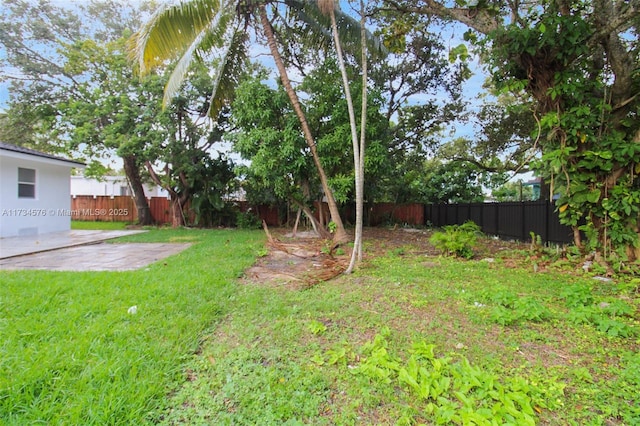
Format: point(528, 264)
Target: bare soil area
point(304, 260)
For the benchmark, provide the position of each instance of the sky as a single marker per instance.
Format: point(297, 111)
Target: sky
point(452, 35)
point(4, 96)
point(4, 86)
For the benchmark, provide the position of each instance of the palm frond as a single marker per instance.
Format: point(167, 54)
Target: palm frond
point(180, 70)
point(310, 13)
point(173, 29)
point(227, 73)
point(210, 38)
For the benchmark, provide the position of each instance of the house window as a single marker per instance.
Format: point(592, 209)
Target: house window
point(124, 190)
point(26, 183)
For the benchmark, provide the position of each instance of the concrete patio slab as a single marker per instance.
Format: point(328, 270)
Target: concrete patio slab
point(19, 246)
point(95, 257)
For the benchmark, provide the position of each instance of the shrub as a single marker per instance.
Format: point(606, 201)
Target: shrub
point(248, 220)
point(457, 240)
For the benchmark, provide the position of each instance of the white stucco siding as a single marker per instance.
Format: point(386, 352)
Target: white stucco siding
point(112, 186)
point(48, 211)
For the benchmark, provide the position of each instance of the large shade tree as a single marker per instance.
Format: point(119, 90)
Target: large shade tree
point(265, 132)
point(578, 62)
point(192, 30)
point(183, 161)
point(71, 88)
point(109, 114)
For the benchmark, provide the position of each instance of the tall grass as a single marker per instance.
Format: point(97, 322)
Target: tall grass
point(72, 353)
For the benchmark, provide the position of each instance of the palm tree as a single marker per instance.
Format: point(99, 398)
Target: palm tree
point(329, 7)
point(190, 30)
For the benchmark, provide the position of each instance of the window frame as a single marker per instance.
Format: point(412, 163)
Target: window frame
point(27, 184)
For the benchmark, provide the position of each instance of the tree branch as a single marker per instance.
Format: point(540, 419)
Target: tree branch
point(486, 168)
point(476, 18)
point(156, 179)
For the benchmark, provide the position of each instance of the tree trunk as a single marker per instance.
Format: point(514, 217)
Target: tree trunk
point(357, 153)
point(328, 6)
point(178, 199)
point(363, 132)
point(176, 214)
point(320, 230)
point(132, 170)
point(295, 225)
point(340, 236)
point(177, 209)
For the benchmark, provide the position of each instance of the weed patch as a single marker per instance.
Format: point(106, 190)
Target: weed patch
point(448, 390)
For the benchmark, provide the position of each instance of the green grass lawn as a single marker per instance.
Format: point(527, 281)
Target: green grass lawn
point(107, 226)
point(70, 353)
point(408, 339)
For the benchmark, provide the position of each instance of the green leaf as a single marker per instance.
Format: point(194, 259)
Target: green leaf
point(594, 196)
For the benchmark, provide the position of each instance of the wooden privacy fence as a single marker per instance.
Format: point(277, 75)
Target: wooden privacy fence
point(510, 220)
point(123, 209)
point(381, 213)
point(103, 209)
point(386, 213)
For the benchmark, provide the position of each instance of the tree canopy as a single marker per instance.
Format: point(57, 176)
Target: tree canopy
point(577, 62)
point(92, 105)
point(562, 101)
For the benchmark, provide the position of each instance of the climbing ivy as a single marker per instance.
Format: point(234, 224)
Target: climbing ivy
point(585, 84)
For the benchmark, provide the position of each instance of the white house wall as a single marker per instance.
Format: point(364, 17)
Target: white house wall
point(110, 186)
point(49, 211)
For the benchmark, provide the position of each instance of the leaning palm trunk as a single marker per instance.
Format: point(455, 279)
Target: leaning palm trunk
point(187, 30)
point(340, 235)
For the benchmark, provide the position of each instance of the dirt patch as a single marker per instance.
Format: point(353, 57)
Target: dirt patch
point(296, 263)
point(304, 260)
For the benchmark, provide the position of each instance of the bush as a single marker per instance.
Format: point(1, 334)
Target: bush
point(248, 220)
point(457, 240)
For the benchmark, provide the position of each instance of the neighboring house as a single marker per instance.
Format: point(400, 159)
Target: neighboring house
point(112, 186)
point(35, 193)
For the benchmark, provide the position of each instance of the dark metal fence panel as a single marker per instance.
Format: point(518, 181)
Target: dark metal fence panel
point(510, 222)
point(451, 214)
point(433, 215)
point(490, 218)
point(536, 219)
point(514, 220)
point(463, 213)
point(442, 214)
point(557, 232)
point(476, 213)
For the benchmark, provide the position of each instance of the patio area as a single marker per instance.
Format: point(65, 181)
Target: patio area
point(81, 250)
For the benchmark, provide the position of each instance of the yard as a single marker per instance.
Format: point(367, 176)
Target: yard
point(410, 338)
